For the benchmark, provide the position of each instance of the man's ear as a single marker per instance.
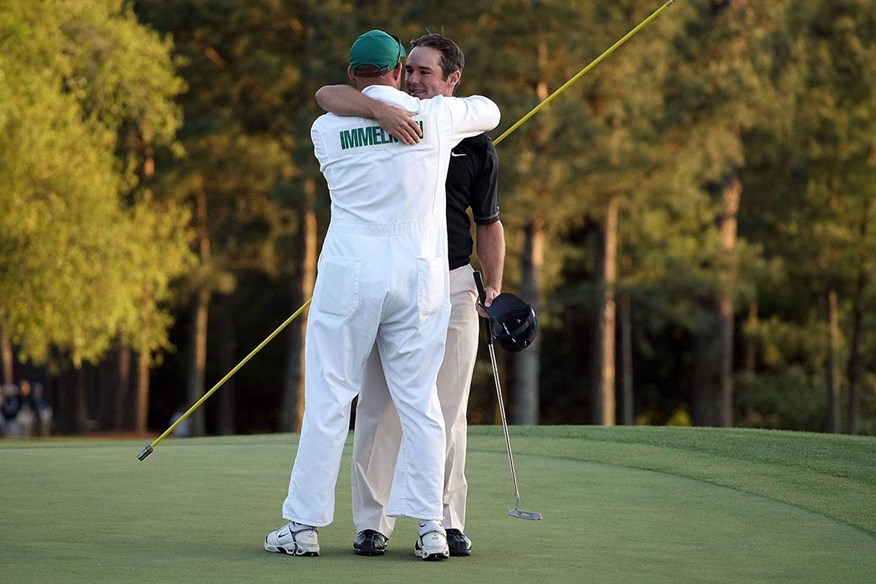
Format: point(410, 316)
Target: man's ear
point(350, 74)
point(454, 79)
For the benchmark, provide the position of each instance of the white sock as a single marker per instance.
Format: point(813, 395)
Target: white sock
point(427, 525)
point(293, 526)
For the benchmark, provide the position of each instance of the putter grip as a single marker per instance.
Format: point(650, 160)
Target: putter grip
point(482, 296)
point(479, 282)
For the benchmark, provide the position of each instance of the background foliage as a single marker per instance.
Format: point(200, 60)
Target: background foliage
point(156, 180)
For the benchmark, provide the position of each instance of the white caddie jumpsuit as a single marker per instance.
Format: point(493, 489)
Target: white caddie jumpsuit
point(382, 278)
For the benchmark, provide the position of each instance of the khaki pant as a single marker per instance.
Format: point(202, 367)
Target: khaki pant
point(378, 432)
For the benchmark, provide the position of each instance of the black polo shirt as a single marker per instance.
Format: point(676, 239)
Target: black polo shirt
point(472, 181)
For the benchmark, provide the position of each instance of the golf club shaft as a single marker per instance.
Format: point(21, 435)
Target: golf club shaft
point(148, 450)
point(504, 422)
point(482, 295)
point(584, 71)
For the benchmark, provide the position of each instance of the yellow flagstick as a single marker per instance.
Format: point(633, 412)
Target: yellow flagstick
point(150, 447)
point(584, 71)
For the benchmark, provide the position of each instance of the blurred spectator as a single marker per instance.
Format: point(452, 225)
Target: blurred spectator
point(184, 430)
point(43, 410)
point(26, 410)
point(10, 411)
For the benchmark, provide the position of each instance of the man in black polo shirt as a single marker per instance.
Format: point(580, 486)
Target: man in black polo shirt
point(434, 67)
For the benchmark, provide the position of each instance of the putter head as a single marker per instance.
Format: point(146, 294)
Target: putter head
point(144, 453)
point(529, 515)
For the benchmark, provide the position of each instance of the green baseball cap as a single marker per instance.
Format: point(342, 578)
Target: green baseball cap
point(378, 49)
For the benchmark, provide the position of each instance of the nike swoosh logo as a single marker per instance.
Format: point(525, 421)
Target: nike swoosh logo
point(455, 155)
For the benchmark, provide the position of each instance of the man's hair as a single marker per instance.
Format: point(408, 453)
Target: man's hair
point(452, 58)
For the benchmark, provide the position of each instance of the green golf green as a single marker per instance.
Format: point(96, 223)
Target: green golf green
point(626, 504)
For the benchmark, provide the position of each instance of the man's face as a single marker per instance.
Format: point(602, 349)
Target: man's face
point(424, 76)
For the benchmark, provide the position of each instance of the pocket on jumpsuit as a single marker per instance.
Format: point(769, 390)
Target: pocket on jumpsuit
point(431, 294)
point(338, 285)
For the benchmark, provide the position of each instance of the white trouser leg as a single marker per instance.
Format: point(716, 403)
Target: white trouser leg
point(411, 340)
point(341, 329)
point(411, 357)
point(376, 441)
point(454, 384)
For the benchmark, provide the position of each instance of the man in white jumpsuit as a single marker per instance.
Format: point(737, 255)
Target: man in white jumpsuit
point(434, 67)
point(382, 279)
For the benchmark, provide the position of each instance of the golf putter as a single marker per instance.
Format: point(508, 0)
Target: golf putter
point(516, 511)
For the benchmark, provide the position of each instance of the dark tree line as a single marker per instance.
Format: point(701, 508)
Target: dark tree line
point(692, 219)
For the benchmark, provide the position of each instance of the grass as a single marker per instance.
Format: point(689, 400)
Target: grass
point(625, 504)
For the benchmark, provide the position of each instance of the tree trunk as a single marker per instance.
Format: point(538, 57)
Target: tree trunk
point(751, 348)
point(80, 390)
point(732, 196)
point(626, 334)
point(833, 368)
point(524, 388)
point(855, 364)
point(713, 351)
point(604, 402)
point(855, 361)
point(199, 315)
point(6, 358)
point(62, 402)
point(725, 387)
point(144, 362)
point(527, 366)
point(227, 362)
point(706, 369)
point(198, 359)
point(292, 409)
point(122, 395)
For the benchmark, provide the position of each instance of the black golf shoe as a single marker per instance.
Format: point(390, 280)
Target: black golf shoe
point(459, 544)
point(370, 543)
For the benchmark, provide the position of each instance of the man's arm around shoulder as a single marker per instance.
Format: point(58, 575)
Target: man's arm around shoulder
point(474, 115)
point(345, 100)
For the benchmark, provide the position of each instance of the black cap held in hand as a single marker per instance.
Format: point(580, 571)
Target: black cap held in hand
point(512, 321)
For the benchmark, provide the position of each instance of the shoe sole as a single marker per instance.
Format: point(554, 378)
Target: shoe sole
point(432, 556)
point(459, 553)
point(295, 551)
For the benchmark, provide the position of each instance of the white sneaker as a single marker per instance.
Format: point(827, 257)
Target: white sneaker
point(432, 546)
point(293, 539)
